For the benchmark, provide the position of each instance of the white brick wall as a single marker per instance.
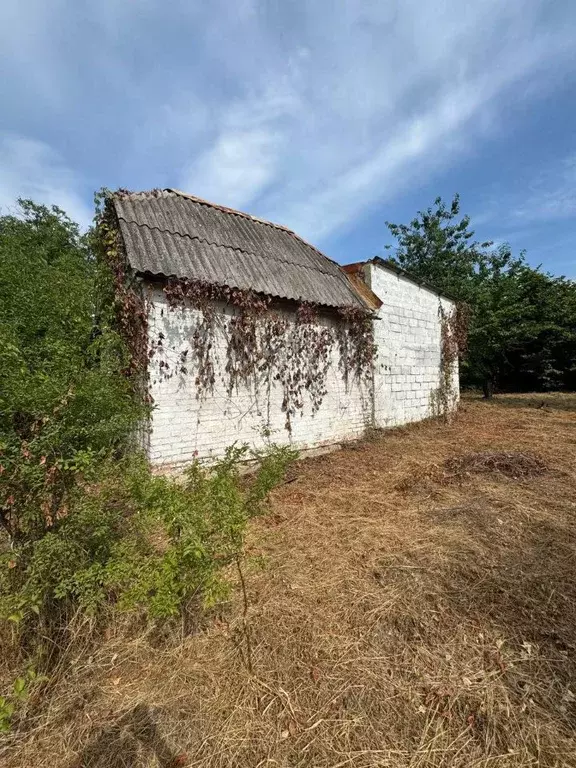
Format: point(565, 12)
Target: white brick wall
point(182, 424)
point(406, 374)
point(407, 335)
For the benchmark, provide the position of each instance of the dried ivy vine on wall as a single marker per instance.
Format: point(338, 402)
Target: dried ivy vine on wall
point(453, 341)
point(265, 346)
point(262, 345)
point(356, 343)
point(128, 303)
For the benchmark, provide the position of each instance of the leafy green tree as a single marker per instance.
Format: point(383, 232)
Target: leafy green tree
point(522, 329)
point(63, 403)
point(438, 247)
point(546, 358)
point(81, 515)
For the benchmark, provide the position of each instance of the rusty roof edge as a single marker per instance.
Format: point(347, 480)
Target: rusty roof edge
point(372, 301)
point(389, 265)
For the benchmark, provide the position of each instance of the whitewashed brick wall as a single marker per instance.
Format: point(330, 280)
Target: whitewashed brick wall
point(406, 378)
point(407, 335)
point(184, 426)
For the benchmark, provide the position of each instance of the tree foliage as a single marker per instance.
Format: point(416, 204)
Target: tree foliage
point(83, 522)
point(63, 403)
point(522, 332)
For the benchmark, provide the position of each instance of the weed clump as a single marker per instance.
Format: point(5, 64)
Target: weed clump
point(131, 541)
point(511, 464)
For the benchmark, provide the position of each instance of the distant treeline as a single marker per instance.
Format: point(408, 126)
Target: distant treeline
point(522, 329)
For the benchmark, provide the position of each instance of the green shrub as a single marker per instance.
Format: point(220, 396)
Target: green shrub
point(19, 692)
point(140, 541)
point(64, 405)
point(84, 525)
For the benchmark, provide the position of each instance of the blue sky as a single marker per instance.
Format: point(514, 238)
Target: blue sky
point(329, 117)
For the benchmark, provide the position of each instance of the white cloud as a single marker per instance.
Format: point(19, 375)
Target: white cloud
point(246, 153)
point(31, 169)
point(307, 113)
point(415, 145)
point(382, 95)
point(236, 168)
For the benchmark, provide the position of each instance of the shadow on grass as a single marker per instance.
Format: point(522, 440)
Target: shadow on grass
point(561, 401)
point(133, 740)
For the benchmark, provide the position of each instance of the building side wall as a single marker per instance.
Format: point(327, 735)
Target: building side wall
point(408, 338)
point(187, 423)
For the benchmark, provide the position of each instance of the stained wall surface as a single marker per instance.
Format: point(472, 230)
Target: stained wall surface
point(189, 422)
point(407, 332)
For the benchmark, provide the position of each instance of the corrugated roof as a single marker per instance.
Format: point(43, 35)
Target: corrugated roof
point(170, 233)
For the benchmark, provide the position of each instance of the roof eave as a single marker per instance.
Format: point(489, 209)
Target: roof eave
point(367, 304)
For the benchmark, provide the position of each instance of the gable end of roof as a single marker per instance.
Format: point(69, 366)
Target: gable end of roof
point(355, 267)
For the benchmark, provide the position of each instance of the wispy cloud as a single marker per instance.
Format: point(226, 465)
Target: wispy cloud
point(32, 169)
point(367, 118)
point(307, 113)
point(246, 153)
point(551, 195)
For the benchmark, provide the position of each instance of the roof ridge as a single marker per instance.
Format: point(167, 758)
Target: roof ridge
point(226, 209)
point(219, 245)
point(243, 214)
point(257, 219)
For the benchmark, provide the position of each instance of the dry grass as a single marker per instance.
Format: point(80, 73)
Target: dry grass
point(512, 464)
point(400, 619)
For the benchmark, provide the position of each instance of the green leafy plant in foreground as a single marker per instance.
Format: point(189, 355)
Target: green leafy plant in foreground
point(84, 525)
point(140, 541)
point(19, 693)
point(132, 541)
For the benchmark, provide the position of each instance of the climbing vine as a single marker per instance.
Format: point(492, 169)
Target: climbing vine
point(453, 342)
point(356, 342)
point(263, 345)
point(128, 303)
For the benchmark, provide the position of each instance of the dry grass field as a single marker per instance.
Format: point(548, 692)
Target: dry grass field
point(411, 603)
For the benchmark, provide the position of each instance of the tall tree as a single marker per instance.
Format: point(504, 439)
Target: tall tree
point(438, 246)
point(63, 400)
point(522, 327)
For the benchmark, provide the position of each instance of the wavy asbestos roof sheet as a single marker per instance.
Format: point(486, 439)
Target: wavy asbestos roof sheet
point(170, 233)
